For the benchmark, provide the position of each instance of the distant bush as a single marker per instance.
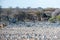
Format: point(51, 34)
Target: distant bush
point(52, 20)
point(55, 19)
point(58, 18)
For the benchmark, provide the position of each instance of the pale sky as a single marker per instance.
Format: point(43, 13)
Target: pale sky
point(30, 3)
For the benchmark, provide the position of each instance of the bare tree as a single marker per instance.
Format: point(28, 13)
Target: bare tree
point(0, 12)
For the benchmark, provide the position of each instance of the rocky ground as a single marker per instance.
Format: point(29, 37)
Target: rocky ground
point(30, 33)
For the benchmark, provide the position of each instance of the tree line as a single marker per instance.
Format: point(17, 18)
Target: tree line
point(22, 14)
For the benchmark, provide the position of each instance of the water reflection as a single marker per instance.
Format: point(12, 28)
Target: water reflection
point(34, 24)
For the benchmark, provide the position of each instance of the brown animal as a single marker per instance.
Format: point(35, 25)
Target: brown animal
point(2, 25)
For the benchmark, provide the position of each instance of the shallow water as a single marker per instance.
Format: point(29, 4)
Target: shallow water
point(34, 24)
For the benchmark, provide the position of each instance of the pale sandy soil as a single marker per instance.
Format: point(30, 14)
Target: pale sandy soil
point(50, 32)
point(38, 30)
